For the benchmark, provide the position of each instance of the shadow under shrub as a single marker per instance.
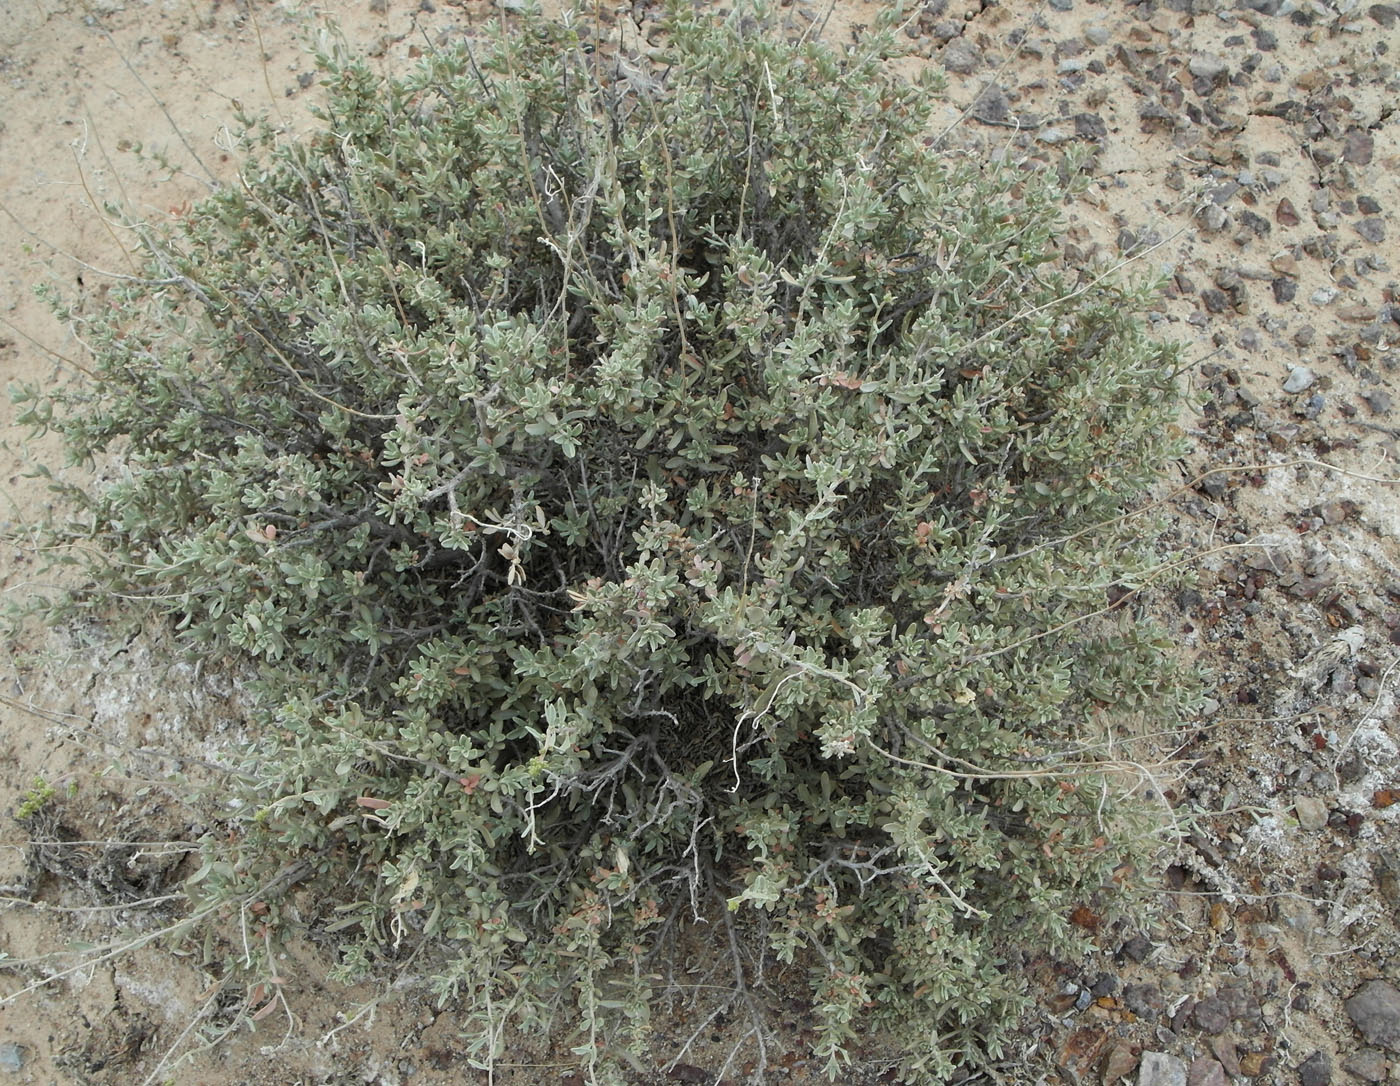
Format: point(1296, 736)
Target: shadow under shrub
point(653, 487)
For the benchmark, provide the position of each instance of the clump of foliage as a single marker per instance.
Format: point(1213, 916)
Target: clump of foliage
point(654, 486)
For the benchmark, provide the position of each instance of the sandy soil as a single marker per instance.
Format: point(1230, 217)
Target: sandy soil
point(1249, 153)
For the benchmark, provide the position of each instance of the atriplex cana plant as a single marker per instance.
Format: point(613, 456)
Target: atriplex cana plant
point(659, 486)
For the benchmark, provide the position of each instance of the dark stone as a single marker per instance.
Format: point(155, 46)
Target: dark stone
point(992, 106)
point(1137, 948)
point(1385, 14)
point(1373, 230)
point(1155, 117)
point(1215, 301)
point(1368, 205)
point(1131, 240)
point(961, 56)
point(1212, 1016)
point(1265, 40)
point(1284, 289)
point(1316, 1070)
point(1287, 110)
point(1375, 1011)
point(1206, 1072)
point(1257, 224)
point(1144, 1000)
point(1224, 1050)
point(1090, 126)
point(1105, 985)
point(1359, 146)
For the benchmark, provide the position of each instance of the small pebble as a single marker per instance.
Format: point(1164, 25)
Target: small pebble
point(1359, 147)
point(1224, 1050)
point(1316, 1070)
point(1323, 296)
point(1311, 812)
point(1090, 126)
point(1212, 1016)
point(1299, 378)
point(1206, 1072)
point(1372, 229)
point(1214, 218)
point(1144, 1000)
point(960, 57)
point(1118, 1065)
point(1159, 1069)
point(1207, 66)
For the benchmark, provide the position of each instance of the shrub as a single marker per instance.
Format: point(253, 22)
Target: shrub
point(653, 487)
